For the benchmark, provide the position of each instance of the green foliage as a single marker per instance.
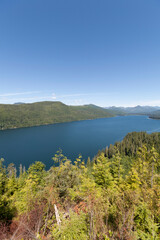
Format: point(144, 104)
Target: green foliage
point(114, 197)
point(7, 212)
point(65, 175)
point(43, 113)
point(101, 172)
point(36, 173)
point(73, 228)
point(135, 140)
point(116, 166)
point(145, 226)
point(3, 177)
point(6, 186)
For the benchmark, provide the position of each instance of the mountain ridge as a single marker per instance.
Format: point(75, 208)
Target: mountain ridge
point(144, 110)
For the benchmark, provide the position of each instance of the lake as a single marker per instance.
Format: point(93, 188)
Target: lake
point(27, 145)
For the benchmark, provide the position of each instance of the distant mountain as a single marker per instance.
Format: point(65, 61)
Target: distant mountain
point(43, 113)
point(17, 103)
point(143, 110)
point(117, 110)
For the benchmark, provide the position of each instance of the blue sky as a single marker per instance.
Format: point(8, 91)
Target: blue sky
point(105, 52)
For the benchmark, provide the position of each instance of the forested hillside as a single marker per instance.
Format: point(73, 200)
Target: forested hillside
point(133, 141)
point(115, 196)
point(155, 115)
point(42, 113)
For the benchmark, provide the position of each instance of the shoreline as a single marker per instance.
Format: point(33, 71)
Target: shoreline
point(47, 124)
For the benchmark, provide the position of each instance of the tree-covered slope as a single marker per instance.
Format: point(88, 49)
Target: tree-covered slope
point(41, 113)
point(133, 141)
point(155, 115)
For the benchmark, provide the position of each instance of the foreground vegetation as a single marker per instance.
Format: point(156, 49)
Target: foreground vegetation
point(43, 113)
point(115, 196)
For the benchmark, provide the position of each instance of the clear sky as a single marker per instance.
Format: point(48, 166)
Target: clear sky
point(105, 52)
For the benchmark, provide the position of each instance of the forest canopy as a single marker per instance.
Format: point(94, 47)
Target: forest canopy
point(114, 196)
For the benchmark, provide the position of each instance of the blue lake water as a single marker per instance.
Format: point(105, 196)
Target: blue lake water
point(27, 145)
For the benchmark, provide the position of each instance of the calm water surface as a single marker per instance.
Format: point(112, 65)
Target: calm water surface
point(26, 145)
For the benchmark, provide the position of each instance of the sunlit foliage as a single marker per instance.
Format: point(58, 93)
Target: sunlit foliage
point(114, 197)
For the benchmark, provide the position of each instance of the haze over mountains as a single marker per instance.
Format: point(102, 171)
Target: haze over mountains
point(146, 110)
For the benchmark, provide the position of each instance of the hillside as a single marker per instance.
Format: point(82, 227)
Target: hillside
point(43, 113)
point(133, 141)
point(155, 115)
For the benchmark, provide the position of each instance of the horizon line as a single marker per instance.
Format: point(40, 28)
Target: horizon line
point(110, 106)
